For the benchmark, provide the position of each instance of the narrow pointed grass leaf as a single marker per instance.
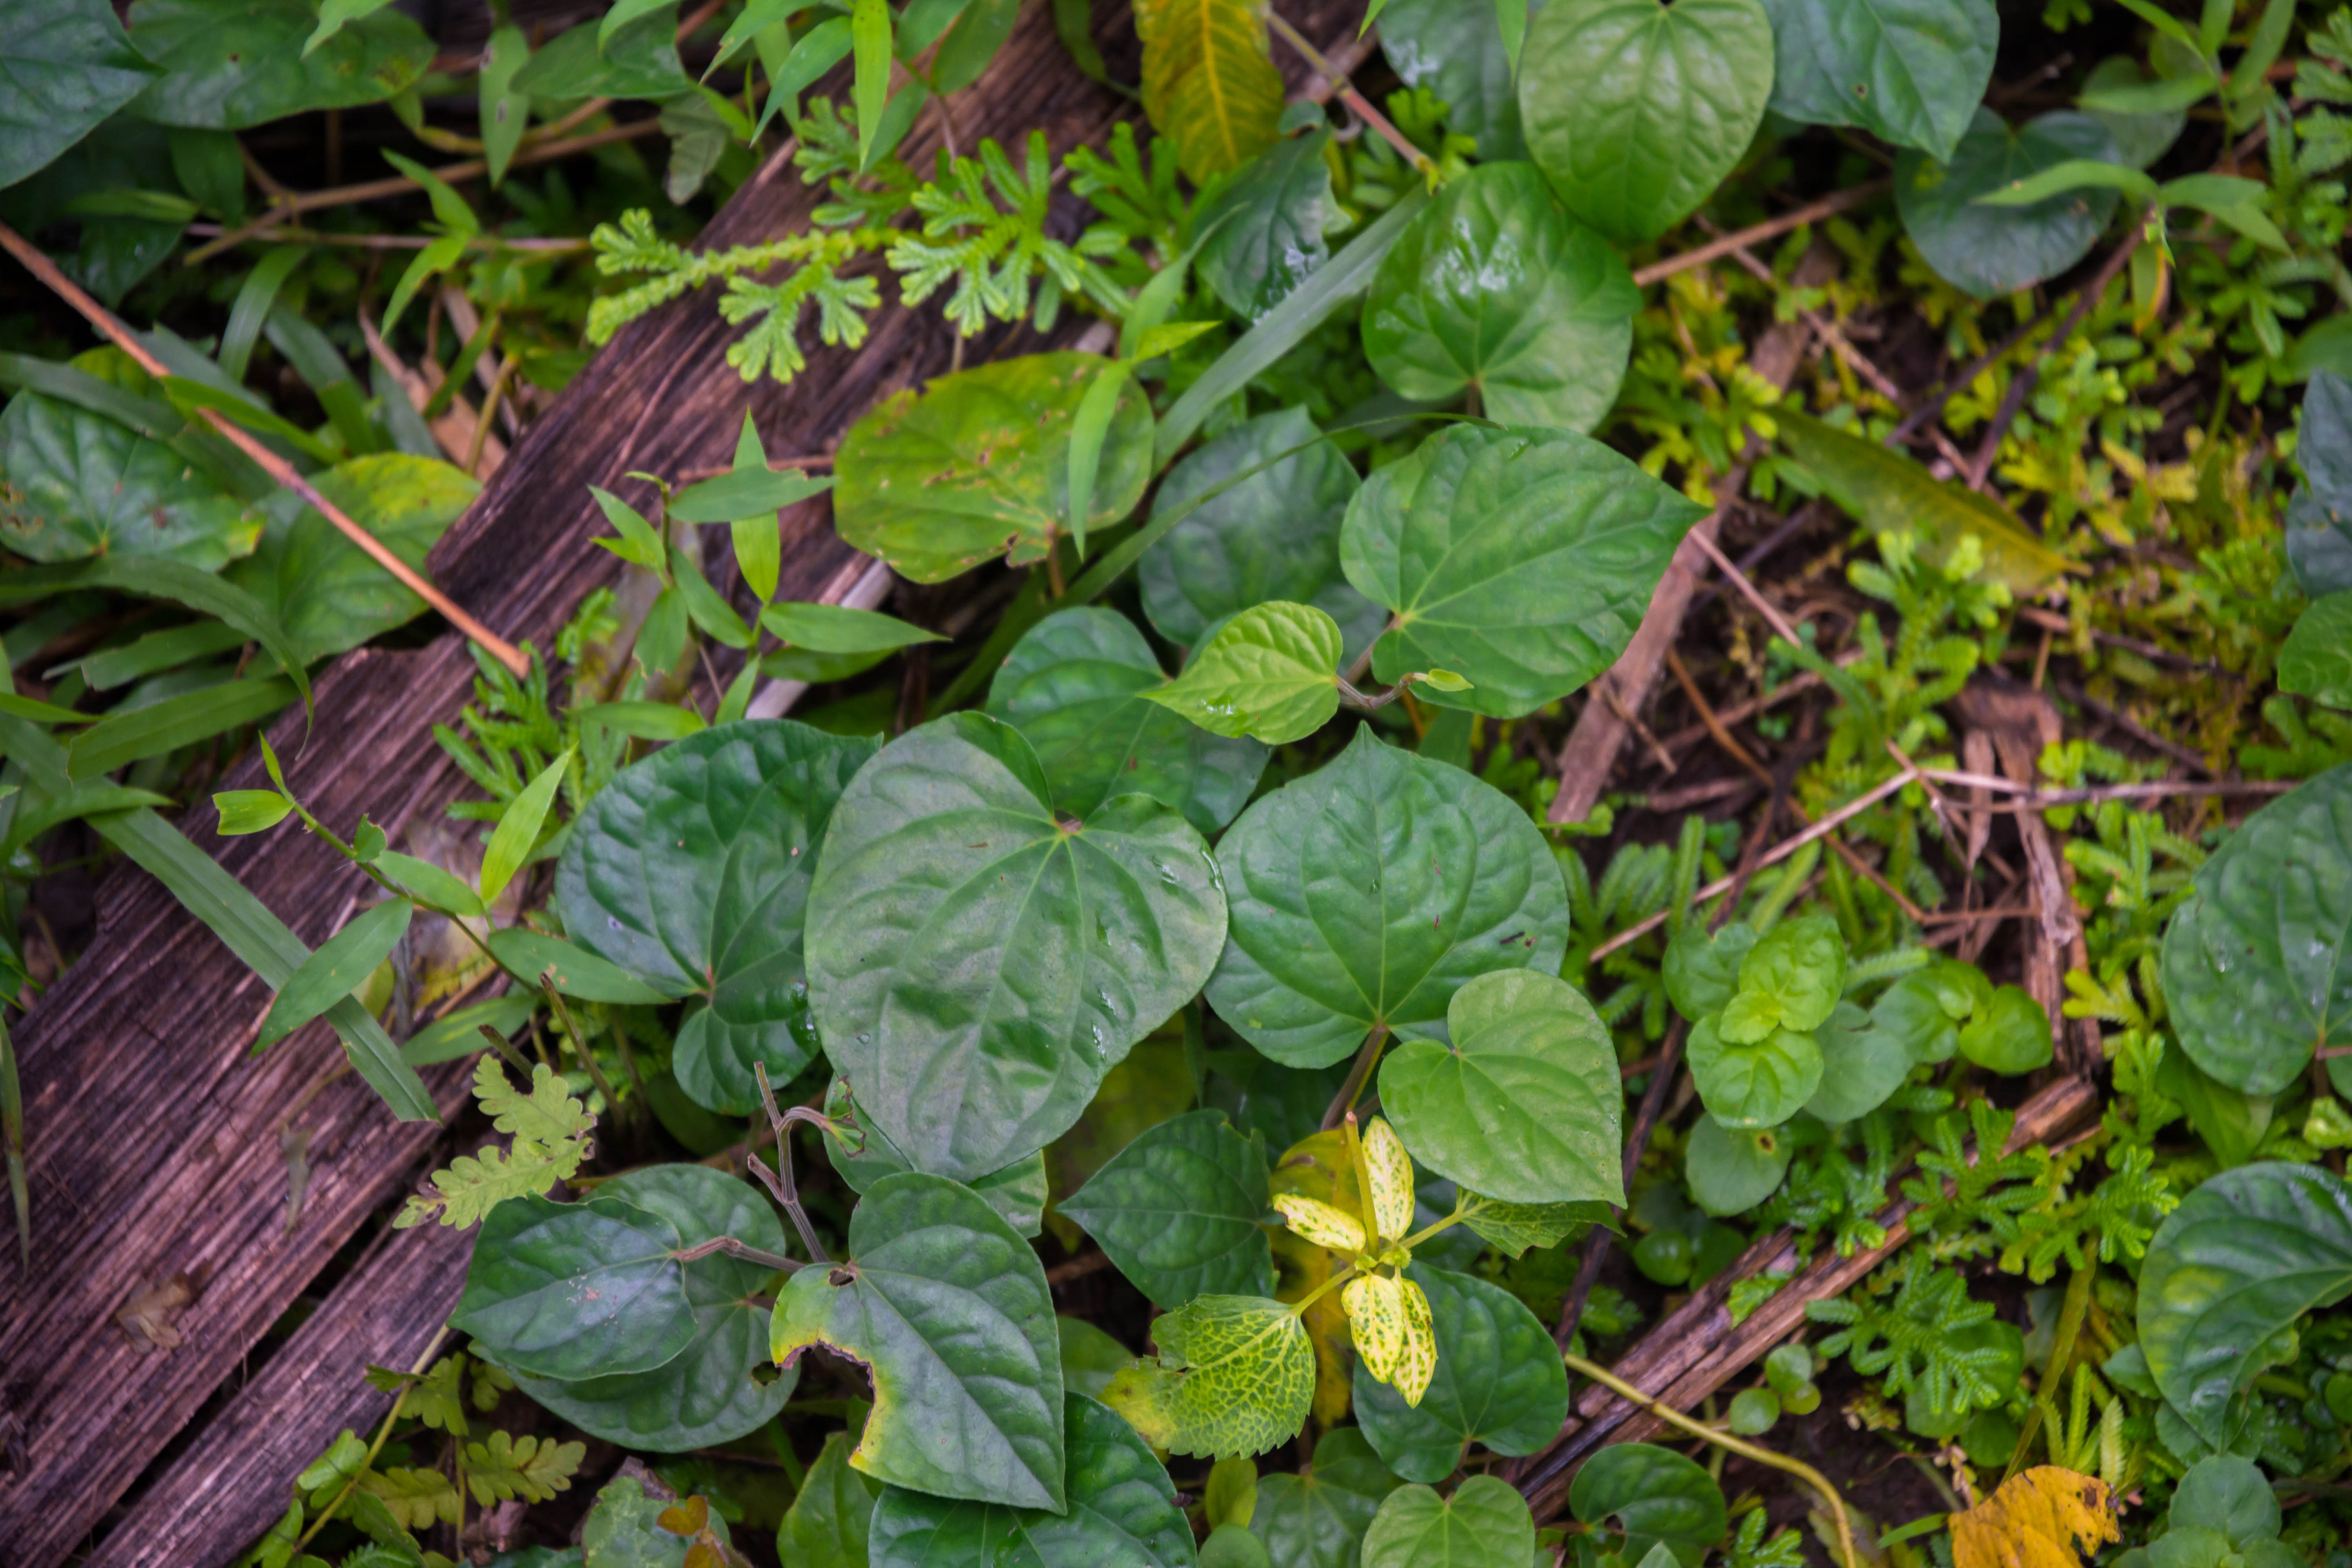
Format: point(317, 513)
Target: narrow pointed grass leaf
point(338, 967)
point(516, 833)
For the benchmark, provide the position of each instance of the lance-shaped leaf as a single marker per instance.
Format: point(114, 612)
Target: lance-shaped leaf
point(1388, 1170)
point(1988, 251)
point(1635, 111)
point(1911, 70)
point(2233, 1269)
point(2257, 965)
point(978, 960)
point(1524, 1105)
point(576, 1290)
point(1177, 1212)
point(1521, 559)
point(1758, 1083)
point(949, 1309)
point(1317, 1520)
point(1234, 1376)
point(336, 969)
point(1484, 1524)
point(1271, 674)
point(1494, 287)
point(1122, 1512)
point(572, 970)
point(1208, 82)
point(978, 465)
point(1075, 687)
point(705, 1394)
point(691, 870)
point(1499, 1381)
point(1368, 892)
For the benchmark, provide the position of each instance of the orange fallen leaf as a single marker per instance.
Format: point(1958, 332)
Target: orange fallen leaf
point(2044, 1517)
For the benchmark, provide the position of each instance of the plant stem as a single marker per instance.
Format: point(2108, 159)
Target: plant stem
point(742, 1249)
point(1352, 99)
point(381, 1433)
point(1352, 1089)
point(579, 1042)
point(781, 1183)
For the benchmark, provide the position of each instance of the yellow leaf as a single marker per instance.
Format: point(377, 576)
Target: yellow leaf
point(2038, 1518)
point(1318, 1166)
point(1319, 1223)
point(1392, 1172)
point(1208, 82)
point(1392, 1324)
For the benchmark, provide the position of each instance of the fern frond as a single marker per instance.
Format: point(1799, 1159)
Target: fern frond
point(417, 1499)
point(474, 1185)
point(532, 1468)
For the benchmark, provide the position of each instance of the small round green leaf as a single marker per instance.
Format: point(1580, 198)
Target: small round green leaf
point(1317, 1519)
point(2009, 1033)
point(1655, 1495)
point(1524, 1104)
point(2316, 659)
point(1753, 1410)
point(1499, 1381)
point(1912, 1012)
point(1271, 673)
point(1758, 1085)
point(1235, 1375)
point(1494, 287)
point(1485, 1524)
point(1990, 251)
point(1177, 1211)
point(1731, 1169)
point(576, 1290)
point(2228, 1495)
point(1701, 969)
point(1863, 1062)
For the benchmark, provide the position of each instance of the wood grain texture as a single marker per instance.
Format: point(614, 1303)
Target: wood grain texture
point(153, 1136)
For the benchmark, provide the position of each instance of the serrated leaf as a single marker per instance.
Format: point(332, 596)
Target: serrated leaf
point(532, 1468)
point(1484, 1524)
point(1368, 893)
point(1271, 673)
point(1209, 84)
point(1912, 71)
point(2047, 1517)
point(1499, 1381)
point(1988, 251)
point(1177, 1211)
point(1655, 1495)
point(417, 1498)
point(948, 1309)
point(576, 1290)
point(1235, 1375)
point(547, 1114)
point(474, 1185)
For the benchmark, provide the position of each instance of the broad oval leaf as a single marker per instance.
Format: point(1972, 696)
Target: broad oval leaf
point(1177, 1212)
point(1484, 1524)
point(1495, 287)
point(1368, 893)
point(948, 1311)
point(1990, 251)
point(2243, 1257)
point(978, 961)
point(1234, 1377)
point(2316, 659)
point(1524, 1105)
point(1273, 535)
point(576, 1290)
point(69, 67)
point(1271, 673)
point(1911, 70)
point(2257, 965)
point(978, 465)
point(1499, 1381)
point(1636, 110)
point(705, 1395)
point(1731, 1169)
point(1317, 1519)
point(1122, 1513)
point(1208, 82)
point(228, 64)
point(691, 871)
point(1658, 1496)
point(1265, 227)
point(1522, 560)
point(1455, 49)
point(1760, 1083)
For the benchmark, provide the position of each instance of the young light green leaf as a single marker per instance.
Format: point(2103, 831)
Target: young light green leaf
point(441, 255)
point(517, 834)
point(1484, 1524)
point(1525, 1103)
point(2009, 1033)
point(1791, 978)
point(1498, 1382)
point(249, 811)
point(869, 35)
point(750, 491)
point(1995, 250)
point(638, 545)
point(2071, 174)
point(473, 1184)
point(1912, 71)
point(547, 1114)
point(1759, 1083)
point(949, 1309)
point(1271, 674)
point(1177, 1211)
point(815, 52)
point(576, 1290)
point(1234, 1377)
point(337, 969)
point(428, 884)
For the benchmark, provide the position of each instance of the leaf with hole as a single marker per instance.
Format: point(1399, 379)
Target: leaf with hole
point(1522, 560)
point(1656, 1497)
point(1484, 1524)
point(1498, 1382)
point(1986, 251)
point(1368, 893)
point(230, 64)
point(1177, 1211)
point(576, 1290)
point(1235, 1375)
point(1912, 71)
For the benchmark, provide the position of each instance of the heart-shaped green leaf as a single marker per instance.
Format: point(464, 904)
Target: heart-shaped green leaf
point(978, 465)
point(1484, 1524)
point(1524, 1104)
point(1911, 70)
point(1019, 1191)
point(576, 1290)
point(1658, 1496)
point(1122, 1512)
point(1265, 227)
point(1271, 673)
point(1499, 1381)
point(1177, 1211)
point(978, 961)
point(1234, 1376)
point(1074, 686)
point(1368, 893)
point(1495, 287)
point(1758, 1084)
point(2257, 965)
point(949, 1309)
point(1521, 559)
point(2243, 1257)
point(706, 1396)
point(1317, 1519)
point(691, 871)
point(228, 64)
point(1990, 251)
point(1732, 1169)
point(81, 485)
point(1635, 111)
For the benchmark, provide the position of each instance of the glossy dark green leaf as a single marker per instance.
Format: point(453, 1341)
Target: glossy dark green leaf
point(228, 64)
point(1177, 1211)
point(1496, 288)
point(1523, 1104)
point(2142, 135)
point(1073, 686)
point(1275, 535)
point(1656, 1496)
point(1090, 1358)
point(66, 65)
point(1499, 1381)
point(691, 871)
point(576, 1290)
point(1317, 1519)
point(1636, 110)
point(2240, 1260)
point(572, 971)
point(1265, 226)
point(1020, 1192)
point(2316, 659)
point(339, 966)
point(1863, 1062)
point(1912, 71)
point(948, 1309)
point(2257, 965)
point(2008, 1033)
point(166, 725)
point(80, 485)
point(978, 960)
point(1759, 1083)
point(705, 1394)
point(1483, 1524)
point(977, 465)
point(1990, 251)
point(1368, 893)
point(1731, 1169)
point(831, 1517)
point(1455, 49)
point(1121, 1514)
point(1520, 559)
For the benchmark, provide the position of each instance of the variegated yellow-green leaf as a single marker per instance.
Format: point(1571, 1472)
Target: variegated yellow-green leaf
point(1208, 82)
point(1393, 1335)
point(1319, 1221)
point(1234, 1376)
point(1391, 1169)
